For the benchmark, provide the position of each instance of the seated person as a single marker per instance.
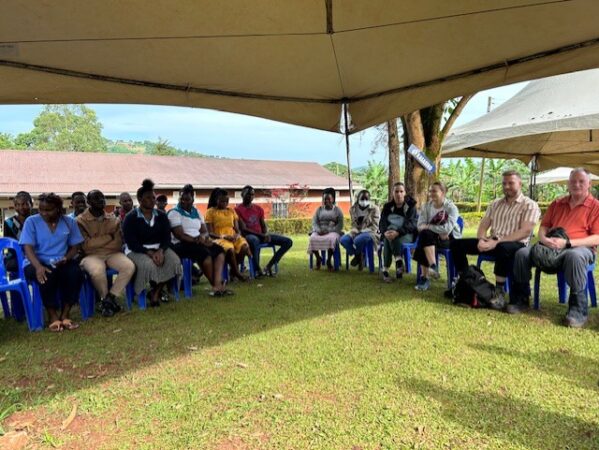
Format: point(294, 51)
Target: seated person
point(161, 202)
point(147, 234)
point(126, 205)
point(437, 226)
point(253, 228)
point(365, 218)
point(78, 203)
point(223, 225)
point(398, 226)
point(13, 226)
point(578, 215)
point(51, 242)
point(101, 249)
point(327, 227)
point(190, 240)
point(506, 228)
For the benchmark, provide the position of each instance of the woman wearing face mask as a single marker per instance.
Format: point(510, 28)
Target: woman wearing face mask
point(327, 226)
point(365, 218)
point(437, 226)
point(398, 226)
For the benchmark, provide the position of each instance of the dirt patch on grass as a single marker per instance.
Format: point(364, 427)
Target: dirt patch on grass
point(83, 432)
point(232, 443)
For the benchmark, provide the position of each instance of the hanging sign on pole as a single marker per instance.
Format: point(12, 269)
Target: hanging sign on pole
point(421, 158)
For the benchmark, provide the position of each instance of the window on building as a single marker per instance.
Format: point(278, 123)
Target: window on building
point(279, 210)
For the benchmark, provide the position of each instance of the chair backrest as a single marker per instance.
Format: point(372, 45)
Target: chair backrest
point(461, 223)
point(11, 244)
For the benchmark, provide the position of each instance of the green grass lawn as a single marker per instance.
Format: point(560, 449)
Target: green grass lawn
point(308, 360)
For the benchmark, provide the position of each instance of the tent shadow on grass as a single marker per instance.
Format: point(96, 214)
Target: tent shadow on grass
point(510, 419)
point(577, 369)
point(104, 349)
point(108, 348)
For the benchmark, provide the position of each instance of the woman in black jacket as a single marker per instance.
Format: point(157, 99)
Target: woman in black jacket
point(147, 233)
point(398, 225)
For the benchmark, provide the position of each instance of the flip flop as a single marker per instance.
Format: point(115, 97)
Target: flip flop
point(56, 326)
point(68, 324)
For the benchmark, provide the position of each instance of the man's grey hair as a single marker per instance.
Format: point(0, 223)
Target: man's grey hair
point(581, 170)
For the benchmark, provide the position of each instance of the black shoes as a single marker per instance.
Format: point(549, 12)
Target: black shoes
point(517, 308)
point(109, 306)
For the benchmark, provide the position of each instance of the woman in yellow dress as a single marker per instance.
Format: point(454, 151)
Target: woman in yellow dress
point(223, 225)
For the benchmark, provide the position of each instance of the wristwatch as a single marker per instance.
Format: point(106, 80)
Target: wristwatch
point(568, 245)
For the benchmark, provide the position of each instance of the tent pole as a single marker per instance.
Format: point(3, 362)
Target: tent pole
point(347, 151)
point(533, 178)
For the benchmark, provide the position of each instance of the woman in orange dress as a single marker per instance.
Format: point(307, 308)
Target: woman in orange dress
point(223, 225)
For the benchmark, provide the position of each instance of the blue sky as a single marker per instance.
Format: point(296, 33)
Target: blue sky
point(235, 135)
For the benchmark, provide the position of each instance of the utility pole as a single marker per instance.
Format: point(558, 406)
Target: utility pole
point(482, 165)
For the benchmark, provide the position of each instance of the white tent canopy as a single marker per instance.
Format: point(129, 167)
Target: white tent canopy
point(555, 119)
point(292, 61)
point(559, 175)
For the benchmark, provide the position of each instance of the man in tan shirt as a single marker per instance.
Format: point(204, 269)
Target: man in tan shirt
point(103, 248)
point(505, 229)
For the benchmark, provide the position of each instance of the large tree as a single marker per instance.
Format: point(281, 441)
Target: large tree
point(64, 127)
point(393, 148)
point(6, 141)
point(426, 128)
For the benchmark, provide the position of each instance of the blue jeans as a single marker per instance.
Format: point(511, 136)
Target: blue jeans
point(356, 245)
point(283, 242)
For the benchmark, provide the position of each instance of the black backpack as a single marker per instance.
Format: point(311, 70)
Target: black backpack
point(473, 289)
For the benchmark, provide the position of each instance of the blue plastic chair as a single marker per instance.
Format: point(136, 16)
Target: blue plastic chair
point(251, 259)
point(490, 258)
point(562, 286)
point(406, 250)
point(90, 291)
point(323, 255)
point(446, 253)
point(225, 275)
point(21, 305)
point(367, 256)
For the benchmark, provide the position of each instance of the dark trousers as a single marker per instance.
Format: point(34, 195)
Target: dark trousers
point(503, 253)
point(283, 242)
point(63, 283)
point(426, 238)
point(197, 252)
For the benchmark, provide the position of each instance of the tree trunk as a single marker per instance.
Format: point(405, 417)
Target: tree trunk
point(416, 179)
point(393, 145)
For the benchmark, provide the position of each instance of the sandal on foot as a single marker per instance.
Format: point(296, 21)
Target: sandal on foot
point(68, 324)
point(215, 293)
point(55, 326)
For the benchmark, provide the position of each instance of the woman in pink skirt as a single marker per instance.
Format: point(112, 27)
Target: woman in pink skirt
point(327, 226)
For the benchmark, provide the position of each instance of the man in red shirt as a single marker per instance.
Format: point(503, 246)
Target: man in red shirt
point(578, 215)
point(253, 228)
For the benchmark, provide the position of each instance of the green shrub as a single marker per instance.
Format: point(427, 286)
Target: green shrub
point(297, 226)
point(289, 226)
point(465, 207)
